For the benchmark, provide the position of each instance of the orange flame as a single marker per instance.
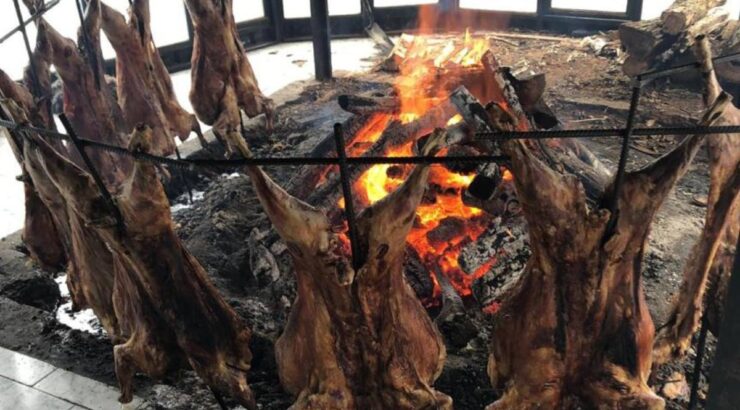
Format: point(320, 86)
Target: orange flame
point(418, 91)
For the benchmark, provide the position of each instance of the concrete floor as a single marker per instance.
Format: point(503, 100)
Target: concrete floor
point(275, 67)
point(30, 384)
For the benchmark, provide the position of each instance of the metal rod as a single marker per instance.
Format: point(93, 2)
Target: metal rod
point(724, 389)
point(219, 399)
point(92, 58)
point(613, 205)
point(35, 84)
point(349, 207)
point(184, 177)
point(321, 39)
point(37, 14)
point(585, 133)
point(294, 161)
point(611, 132)
point(696, 377)
point(652, 75)
point(80, 145)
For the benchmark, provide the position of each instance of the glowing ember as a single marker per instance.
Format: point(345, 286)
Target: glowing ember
point(418, 75)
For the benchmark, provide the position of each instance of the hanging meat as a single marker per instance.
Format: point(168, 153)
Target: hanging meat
point(710, 262)
point(355, 338)
point(575, 328)
point(165, 306)
point(223, 82)
point(40, 230)
point(88, 102)
point(145, 91)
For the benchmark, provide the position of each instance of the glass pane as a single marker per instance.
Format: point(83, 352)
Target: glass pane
point(64, 18)
point(395, 3)
point(653, 8)
point(524, 6)
point(618, 6)
point(122, 7)
point(245, 10)
point(302, 8)
point(14, 45)
point(169, 22)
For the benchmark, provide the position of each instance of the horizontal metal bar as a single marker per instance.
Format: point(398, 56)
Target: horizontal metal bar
point(39, 13)
point(608, 133)
point(652, 75)
point(295, 161)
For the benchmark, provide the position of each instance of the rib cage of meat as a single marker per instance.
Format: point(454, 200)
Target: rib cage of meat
point(355, 339)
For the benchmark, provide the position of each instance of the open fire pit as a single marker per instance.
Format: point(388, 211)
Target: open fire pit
point(451, 243)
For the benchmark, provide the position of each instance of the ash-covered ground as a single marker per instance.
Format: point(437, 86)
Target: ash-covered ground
point(226, 230)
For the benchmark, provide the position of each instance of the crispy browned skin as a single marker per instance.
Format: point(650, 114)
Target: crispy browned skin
point(40, 233)
point(576, 324)
point(223, 82)
point(355, 340)
point(145, 91)
point(710, 262)
point(162, 297)
point(93, 112)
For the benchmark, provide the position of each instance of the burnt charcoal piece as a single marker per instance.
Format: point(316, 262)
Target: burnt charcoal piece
point(32, 288)
point(485, 182)
point(462, 151)
point(448, 229)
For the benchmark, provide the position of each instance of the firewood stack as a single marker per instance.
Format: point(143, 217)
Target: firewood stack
point(666, 41)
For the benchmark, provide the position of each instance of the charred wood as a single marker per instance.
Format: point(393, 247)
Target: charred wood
point(368, 105)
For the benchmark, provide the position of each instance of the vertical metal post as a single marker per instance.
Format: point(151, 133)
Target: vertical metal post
point(724, 389)
point(613, 205)
point(274, 12)
point(349, 207)
point(184, 177)
point(321, 39)
point(80, 146)
point(634, 10)
point(696, 378)
point(36, 85)
point(92, 58)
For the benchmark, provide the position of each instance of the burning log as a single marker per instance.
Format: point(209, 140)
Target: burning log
point(88, 103)
point(394, 135)
point(145, 91)
point(165, 305)
point(576, 324)
point(368, 105)
point(223, 80)
point(355, 338)
point(713, 255)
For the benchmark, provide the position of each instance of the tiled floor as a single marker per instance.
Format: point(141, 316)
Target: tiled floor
point(30, 384)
